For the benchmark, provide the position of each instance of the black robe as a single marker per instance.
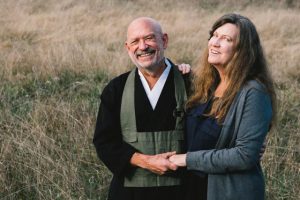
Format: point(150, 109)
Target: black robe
point(115, 153)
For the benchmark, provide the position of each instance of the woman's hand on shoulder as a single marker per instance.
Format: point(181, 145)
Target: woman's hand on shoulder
point(184, 68)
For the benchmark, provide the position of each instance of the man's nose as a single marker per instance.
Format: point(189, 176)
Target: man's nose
point(142, 45)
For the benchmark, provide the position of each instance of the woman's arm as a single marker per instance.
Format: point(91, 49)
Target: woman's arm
point(251, 131)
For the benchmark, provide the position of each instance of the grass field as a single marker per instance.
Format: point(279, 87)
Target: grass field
point(57, 55)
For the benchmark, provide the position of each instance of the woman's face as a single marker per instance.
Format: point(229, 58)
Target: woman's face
point(221, 46)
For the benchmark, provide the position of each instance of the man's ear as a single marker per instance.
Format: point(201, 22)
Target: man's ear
point(126, 46)
point(165, 38)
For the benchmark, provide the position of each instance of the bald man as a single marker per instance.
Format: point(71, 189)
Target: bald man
point(141, 117)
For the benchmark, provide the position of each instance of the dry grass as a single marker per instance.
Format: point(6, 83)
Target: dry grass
point(55, 57)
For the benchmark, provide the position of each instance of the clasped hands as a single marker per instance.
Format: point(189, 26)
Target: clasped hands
point(159, 163)
point(166, 162)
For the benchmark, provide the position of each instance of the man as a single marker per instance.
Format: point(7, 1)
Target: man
point(141, 117)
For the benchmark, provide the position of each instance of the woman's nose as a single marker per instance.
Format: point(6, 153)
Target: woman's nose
point(214, 41)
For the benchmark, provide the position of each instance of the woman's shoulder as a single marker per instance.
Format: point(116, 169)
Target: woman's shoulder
point(254, 84)
point(254, 91)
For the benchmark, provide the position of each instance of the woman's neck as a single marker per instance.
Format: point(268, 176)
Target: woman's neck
point(221, 88)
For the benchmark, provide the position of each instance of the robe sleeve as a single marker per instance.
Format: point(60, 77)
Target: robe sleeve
point(110, 147)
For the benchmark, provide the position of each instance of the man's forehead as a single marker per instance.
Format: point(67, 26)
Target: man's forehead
point(140, 33)
point(142, 27)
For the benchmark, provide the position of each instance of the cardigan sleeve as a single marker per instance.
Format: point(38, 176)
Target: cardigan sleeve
point(251, 128)
point(110, 147)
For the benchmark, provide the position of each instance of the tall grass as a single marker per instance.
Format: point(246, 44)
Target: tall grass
point(56, 56)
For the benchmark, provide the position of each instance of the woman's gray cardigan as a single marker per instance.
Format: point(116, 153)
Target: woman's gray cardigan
point(233, 167)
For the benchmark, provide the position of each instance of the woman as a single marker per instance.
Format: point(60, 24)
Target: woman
point(229, 115)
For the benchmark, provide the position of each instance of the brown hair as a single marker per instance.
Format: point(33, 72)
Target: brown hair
point(247, 63)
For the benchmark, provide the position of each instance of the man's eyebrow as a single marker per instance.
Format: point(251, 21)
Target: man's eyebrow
point(150, 34)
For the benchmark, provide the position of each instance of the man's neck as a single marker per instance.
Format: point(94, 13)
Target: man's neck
point(153, 75)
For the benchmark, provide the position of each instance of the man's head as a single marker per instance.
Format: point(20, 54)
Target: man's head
point(145, 43)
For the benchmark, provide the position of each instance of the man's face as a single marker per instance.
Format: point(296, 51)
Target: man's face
point(145, 44)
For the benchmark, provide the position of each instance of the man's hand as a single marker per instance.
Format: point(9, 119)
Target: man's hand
point(158, 164)
point(184, 68)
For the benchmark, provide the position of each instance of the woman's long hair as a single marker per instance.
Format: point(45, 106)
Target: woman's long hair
point(247, 63)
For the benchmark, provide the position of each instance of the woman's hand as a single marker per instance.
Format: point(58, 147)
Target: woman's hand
point(179, 160)
point(159, 163)
point(184, 68)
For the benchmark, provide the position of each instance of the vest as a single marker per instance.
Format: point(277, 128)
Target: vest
point(152, 143)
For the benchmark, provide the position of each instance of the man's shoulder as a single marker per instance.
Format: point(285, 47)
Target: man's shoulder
point(186, 77)
point(116, 85)
point(120, 79)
